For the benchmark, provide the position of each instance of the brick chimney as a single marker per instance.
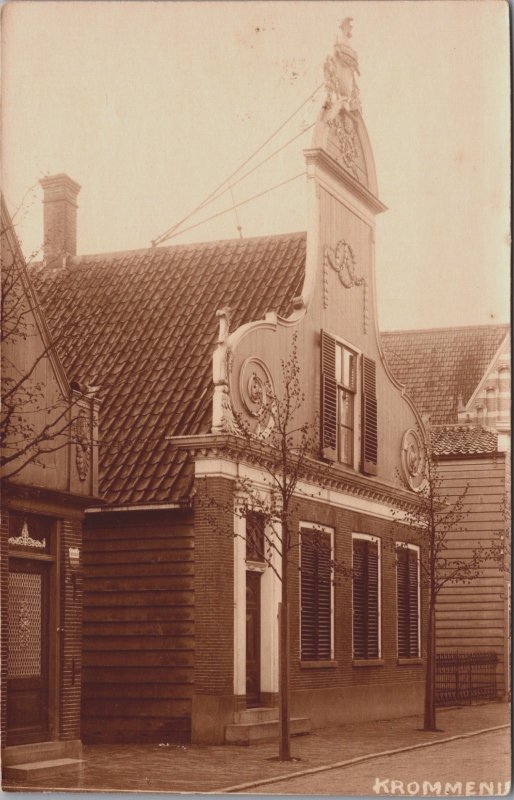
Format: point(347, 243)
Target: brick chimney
point(60, 218)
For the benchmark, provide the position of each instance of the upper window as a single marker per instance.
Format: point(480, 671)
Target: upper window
point(316, 596)
point(366, 596)
point(407, 594)
point(255, 536)
point(339, 404)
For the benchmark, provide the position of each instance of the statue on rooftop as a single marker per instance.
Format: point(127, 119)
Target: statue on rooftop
point(340, 70)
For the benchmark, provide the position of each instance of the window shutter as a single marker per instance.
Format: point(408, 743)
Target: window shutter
point(402, 601)
point(308, 599)
point(413, 604)
point(373, 621)
point(324, 597)
point(359, 598)
point(366, 638)
point(328, 397)
point(407, 593)
point(316, 628)
point(369, 416)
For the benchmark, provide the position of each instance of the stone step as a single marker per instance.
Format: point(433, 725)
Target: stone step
point(259, 714)
point(37, 769)
point(252, 732)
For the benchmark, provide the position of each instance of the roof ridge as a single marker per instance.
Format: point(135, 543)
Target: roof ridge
point(183, 246)
point(505, 325)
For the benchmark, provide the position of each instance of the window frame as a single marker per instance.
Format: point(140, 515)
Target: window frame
point(346, 388)
point(378, 658)
point(314, 527)
point(417, 549)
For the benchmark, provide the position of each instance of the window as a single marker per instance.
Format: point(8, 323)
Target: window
point(339, 394)
point(316, 594)
point(346, 386)
point(255, 538)
point(366, 597)
point(407, 594)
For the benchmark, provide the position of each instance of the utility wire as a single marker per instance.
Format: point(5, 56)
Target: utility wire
point(237, 205)
point(253, 169)
point(167, 234)
point(238, 224)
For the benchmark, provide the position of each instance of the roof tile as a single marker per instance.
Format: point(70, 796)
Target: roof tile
point(143, 326)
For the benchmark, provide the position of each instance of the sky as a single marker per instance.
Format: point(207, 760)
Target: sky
point(151, 106)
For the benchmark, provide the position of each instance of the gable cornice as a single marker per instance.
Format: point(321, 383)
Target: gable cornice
point(233, 449)
point(319, 157)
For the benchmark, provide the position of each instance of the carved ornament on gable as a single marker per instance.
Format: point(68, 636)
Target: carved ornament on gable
point(82, 437)
point(342, 260)
point(340, 70)
point(413, 459)
point(255, 386)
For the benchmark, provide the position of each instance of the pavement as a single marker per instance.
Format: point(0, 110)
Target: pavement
point(166, 767)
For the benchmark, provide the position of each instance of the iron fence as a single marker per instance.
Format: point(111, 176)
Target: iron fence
point(465, 678)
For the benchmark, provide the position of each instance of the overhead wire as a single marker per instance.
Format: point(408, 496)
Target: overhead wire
point(237, 205)
point(210, 198)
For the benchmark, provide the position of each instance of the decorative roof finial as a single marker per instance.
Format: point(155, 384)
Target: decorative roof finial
point(340, 70)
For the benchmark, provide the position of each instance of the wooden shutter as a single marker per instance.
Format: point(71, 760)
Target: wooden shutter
point(316, 628)
point(407, 602)
point(324, 626)
point(366, 623)
point(328, 397)
point(359, 598)
point(402, 595)
point(308, 598)
point(413, 604)
point(369, 417)
point(373, 644)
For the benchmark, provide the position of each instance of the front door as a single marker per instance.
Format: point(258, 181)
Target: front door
point(28, 651)
point(253, 639)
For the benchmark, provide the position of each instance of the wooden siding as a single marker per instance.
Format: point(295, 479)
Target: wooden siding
point(138, 633)
point(471, 617)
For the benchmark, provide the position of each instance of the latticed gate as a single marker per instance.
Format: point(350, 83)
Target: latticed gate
point(465, 677)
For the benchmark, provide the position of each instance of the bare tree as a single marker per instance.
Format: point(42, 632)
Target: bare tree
point(33, 422)
point(283, 446)
point(437, 518)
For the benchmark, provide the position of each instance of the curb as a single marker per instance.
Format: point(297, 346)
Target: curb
point(351, 761)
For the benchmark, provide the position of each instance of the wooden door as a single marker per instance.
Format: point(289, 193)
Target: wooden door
point(253, 639)
point(28, 651)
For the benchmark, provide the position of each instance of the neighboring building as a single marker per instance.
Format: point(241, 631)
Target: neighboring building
point(460, 379)
point(180, 631)
point(49, 475)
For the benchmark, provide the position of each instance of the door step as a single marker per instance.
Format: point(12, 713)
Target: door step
point(251, 732)
point(37, 769)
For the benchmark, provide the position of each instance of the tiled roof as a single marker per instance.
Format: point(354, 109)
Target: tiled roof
point(143, 326)
point(440, 364)
point(463, 440)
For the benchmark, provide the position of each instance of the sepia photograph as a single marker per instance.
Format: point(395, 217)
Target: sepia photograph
point(255, 417)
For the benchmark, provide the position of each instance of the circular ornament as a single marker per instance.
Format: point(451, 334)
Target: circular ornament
point(413, 459)
point(255, 385)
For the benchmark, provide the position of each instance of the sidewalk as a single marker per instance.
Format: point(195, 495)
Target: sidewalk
point(191, 768)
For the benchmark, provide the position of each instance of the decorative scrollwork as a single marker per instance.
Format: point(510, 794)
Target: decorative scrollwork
point(342, 261)
point(82, 432)
point(255, 385)
point(348, 143)
point(413, 459)
point(24, 540)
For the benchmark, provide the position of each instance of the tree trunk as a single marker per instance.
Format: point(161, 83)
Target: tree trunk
point(283, 680)
point(430, 716)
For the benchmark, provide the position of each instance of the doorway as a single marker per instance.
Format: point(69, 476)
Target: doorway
point(253, 639)
point(28, 651)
